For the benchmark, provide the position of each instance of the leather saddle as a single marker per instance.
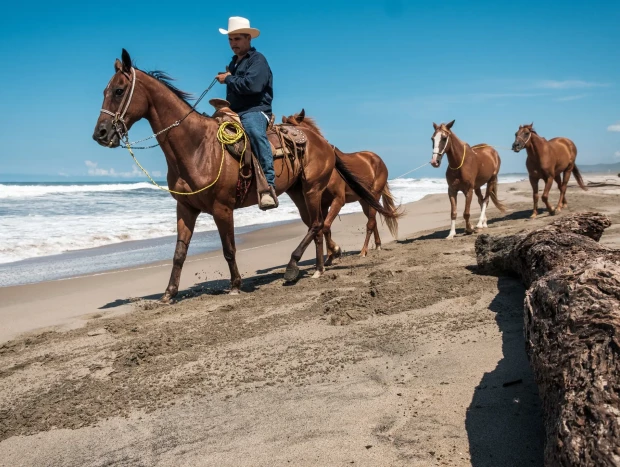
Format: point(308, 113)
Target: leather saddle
point(285, 139)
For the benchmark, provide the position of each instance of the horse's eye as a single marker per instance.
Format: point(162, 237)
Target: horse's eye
point(119, 92)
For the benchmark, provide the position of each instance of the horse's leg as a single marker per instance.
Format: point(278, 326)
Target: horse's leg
point(366, 210)
point(545, 195)
point(312, 211)
point(333, 250)
point(375, 229)
point(562, 182)
point(225, 222)
point(534, 183)
point(186, 221)
point(452, 195)
point(483, 205)
point(466, 213)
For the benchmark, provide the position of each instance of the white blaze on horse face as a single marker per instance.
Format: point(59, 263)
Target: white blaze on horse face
point(436, 147)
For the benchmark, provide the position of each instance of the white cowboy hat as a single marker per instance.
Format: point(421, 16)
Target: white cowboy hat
point(239, 25)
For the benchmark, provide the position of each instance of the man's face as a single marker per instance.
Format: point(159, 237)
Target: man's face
point(239, 43)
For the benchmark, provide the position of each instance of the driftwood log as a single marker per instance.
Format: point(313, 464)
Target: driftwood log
point(572, 331)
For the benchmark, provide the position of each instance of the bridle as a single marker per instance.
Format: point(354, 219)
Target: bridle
point(120, 116)
point(445, 148)
point(521, 140)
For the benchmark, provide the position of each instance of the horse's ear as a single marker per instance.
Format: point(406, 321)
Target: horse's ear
point(449, 125)
point(283, 119)
point(302, 114)
point(126, 61)
point(532, 125)
point(435, 125)
point(118, 66)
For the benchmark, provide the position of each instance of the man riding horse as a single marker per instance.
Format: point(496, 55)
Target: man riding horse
point(249, 90)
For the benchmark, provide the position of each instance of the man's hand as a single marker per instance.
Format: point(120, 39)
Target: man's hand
point(222, 76)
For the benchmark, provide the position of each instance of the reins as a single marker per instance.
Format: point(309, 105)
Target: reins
point(222, 136)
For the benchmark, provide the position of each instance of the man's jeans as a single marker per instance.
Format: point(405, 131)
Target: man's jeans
point(255, 125)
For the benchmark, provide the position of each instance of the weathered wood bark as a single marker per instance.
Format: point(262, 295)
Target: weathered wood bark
point(572, 332)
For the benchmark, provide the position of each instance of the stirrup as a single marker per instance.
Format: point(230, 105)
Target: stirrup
point(271, 201)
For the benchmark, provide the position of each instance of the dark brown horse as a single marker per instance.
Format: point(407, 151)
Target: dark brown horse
point(195, 160)
point(547, 160)
point(372, 171)
point(468, 169)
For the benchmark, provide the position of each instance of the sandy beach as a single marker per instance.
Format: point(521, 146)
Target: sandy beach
point(406, 357)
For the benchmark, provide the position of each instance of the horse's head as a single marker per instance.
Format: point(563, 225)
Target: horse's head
point(522, 136)
point(440, 139)
point(295, 119)
point(124, 103)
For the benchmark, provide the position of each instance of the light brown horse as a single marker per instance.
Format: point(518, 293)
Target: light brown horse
point(468, 169)
point(547, 160)
point(195, 160)
point(372, 171)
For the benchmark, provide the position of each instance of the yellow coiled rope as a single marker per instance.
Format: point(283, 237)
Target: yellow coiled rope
point(224, 138)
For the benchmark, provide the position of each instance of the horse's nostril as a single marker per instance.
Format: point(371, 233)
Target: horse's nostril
point(102, 133)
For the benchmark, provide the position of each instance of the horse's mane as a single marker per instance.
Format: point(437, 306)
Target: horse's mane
point(310, 122)
point(164, 78)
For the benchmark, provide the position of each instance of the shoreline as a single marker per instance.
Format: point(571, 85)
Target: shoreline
point(72, 301)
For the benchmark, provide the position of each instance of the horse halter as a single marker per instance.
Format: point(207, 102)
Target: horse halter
point(120, 116)
point(445, 147)
point(528, 139)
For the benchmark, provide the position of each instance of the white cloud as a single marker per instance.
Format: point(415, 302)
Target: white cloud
point(615, 127)
point(617, 154)
point(569, 84)
point(571, 98)
point(93, 170)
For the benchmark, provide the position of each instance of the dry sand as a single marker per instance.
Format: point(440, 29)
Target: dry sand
point(401, 358)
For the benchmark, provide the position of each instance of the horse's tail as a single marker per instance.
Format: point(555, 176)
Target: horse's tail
point(362, 191)
point(579, 179)
point(388, 203)
point(498, 204)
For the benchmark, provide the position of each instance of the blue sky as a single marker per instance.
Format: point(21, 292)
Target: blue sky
point(375, 74)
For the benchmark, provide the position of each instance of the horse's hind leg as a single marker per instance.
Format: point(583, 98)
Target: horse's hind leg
point(333, 250)
point(562, 185)
point(466, 214)
point(224, 220)
point(186, 221)
point(483, 202)
point(315, 232)
point(369, 229)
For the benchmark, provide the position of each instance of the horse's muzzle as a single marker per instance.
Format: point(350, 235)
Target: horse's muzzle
point(105, 135)
point(516, 147)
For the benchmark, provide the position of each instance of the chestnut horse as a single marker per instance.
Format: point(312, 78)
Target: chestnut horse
point(197, 160)
point(547, 160)
point(372, 171)
point(468, 169)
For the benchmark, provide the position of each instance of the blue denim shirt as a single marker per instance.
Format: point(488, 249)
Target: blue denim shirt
point(249, 88)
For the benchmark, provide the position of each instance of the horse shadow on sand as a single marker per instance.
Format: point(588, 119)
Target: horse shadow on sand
point(249, 284)
point(504, 419)
point(460, 232)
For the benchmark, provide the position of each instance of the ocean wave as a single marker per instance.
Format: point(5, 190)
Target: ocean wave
point(29, 191)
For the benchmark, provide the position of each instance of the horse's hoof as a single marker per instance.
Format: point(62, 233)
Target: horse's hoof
point(552, 212)
point(337, 252)
point(234, 291)
point(363, 254)
point(449, 237)
point(166, 298)
point(317, 274)
point(378, 247)
point(291, 273)
point(469, 232)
